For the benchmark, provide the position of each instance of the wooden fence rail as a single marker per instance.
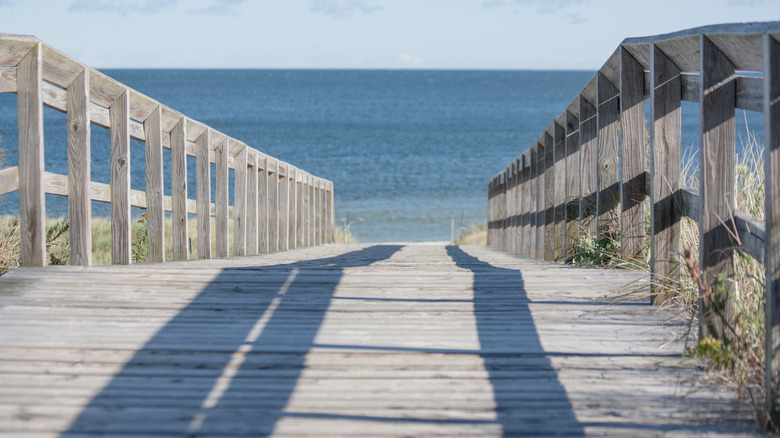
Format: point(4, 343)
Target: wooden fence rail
point(587, 172)
point(275, 205)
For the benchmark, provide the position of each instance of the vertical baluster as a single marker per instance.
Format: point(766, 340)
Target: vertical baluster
point(252, 234)
point(608, 198)
point(292, 205)
point(540, 196)
point(531, 206)
point(717, 176)
point(573, 193)
point(559, 138)
point(79, 200)
point(264, 180)
point(221, 153)
point(549, 198)
point(179, 189)
point(665, 214)
point(632, 158)
point(239, 201)
point(588, 166)
point(284, 206)
point(203, 190)
point(772, 250)
point(119, 114)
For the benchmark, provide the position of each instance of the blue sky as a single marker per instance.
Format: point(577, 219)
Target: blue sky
point(427, 34)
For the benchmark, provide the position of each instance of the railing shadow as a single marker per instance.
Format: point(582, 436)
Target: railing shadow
point(236, 350)
point(517, 366)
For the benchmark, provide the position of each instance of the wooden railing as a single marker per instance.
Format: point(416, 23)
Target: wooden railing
point(275, 205)
point(587, 174)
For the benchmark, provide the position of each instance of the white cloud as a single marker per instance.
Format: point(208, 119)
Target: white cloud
point(342, 8)
point(121, 7)
point(220, 7)
point(410, 59)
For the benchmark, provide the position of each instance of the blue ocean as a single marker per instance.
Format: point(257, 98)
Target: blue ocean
point(410, 152)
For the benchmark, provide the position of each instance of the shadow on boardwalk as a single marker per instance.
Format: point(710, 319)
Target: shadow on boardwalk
point(229, 361)
point(522, 377)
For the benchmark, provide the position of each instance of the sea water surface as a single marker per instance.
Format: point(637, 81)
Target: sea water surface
point(409, 152)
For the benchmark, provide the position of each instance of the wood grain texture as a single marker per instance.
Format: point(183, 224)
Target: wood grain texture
point(221, 195)
point(239, 203)
point(632, 158)
point(561, 245)
point(666, 165)
point(252, 187)
point(573, 183)
point(589, 166)
point(32, 207)
point(608, 199)
point(531, 209)
point(79, 173)
point(272, 205)
point(348, 340)
point(179, 189)
point(540, 195)
point(203, 192)
point(155, 193)
point(716, 175)
point(292, 208)
point(772, 209)
point(549, 196)
point(120, 180)
point(283, 210)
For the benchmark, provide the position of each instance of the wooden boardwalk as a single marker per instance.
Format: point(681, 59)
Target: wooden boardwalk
point(347, 340)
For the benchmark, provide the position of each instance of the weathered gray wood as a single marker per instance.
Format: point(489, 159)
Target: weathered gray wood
point(666, 213)
point(292, 208)
point(252, 234)
point(717, 175)
point(573, 184)
point(608, 200)
point(533, 187)
point(772, 211)
point(155, 193)
point(589, 166)
point(331, 212)
point(221, 189)
point(179, 189)
point(120, 180)
point(283, 207)
point(561, 245)
point(203, 190)
point(512, 194)
point(300, 209)
point(263, 180)
point(239, 202)
point(32, 207)
point(79, 156)
point(549, 191)
point(273, 205)
point(540, 196)
point(632, 158)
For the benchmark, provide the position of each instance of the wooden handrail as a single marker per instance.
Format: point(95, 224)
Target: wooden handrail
point(570, 175)
point(40, 75)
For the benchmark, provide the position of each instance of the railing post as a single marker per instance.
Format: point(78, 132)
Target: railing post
point(179, 189)
point(665, 170)
point(273, 205)
point(632, 158)
point(530, 210)
point(119, 113)
point(221, 153)
point(32, 207)
point(203, 190)
point(772, 249)
point(559, 137)
point(252, 233)
point(512, 200)
point(265, 177)
point(717, 177)
point(573, 193)
point(331, 213)
point(589, 167)
point(239, 202)
point(608, 108)
point(283, 172)
point(292, 227)
point(504, 211)
point(79, 200)
point(539, 195)
point(549, 194)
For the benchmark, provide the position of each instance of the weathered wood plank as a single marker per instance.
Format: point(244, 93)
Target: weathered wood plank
point(549, 197)
point(179, 189)
point(608, 200)
point(540, 196)
point(772, 210)
point(531, 208)
point(252, 185)
point(32, 207)
point(283, 208)
point(666, 213)
point(221, 195)
point(717, 176)
point(273, 205)
point(120, 180)
point(155, 194)
point(561, 245)
point(239, 203)
point(589, 166)
point(632, 158)
point(203, 191)
point(573, 183)
point(79, 174)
